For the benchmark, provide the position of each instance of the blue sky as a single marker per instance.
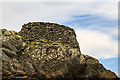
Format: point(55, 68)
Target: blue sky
point(111, 64)
point(95, 24)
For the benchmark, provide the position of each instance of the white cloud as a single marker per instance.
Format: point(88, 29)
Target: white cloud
point(15, 14)
point(97, 44)
point(111, 30)
point(59, 0)
point(109, 10)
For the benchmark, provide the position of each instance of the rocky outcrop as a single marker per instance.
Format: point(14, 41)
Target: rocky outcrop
point(47, 51)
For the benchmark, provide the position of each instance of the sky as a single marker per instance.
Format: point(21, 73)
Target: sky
point(95, 23)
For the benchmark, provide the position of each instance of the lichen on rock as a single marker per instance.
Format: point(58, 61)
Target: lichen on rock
point(47, 51)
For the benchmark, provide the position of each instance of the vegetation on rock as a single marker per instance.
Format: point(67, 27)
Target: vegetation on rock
point(47, 51)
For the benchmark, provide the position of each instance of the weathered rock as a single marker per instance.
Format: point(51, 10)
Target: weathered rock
point(47, 51)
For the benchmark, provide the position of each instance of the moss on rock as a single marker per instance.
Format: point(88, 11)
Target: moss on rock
point(7, 33)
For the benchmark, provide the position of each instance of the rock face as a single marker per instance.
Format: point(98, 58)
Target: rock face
point(47, 51)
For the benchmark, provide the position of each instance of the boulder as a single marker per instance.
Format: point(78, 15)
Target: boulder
point(47, 51)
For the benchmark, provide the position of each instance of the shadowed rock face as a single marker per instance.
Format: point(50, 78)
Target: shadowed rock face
point(47, 51)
